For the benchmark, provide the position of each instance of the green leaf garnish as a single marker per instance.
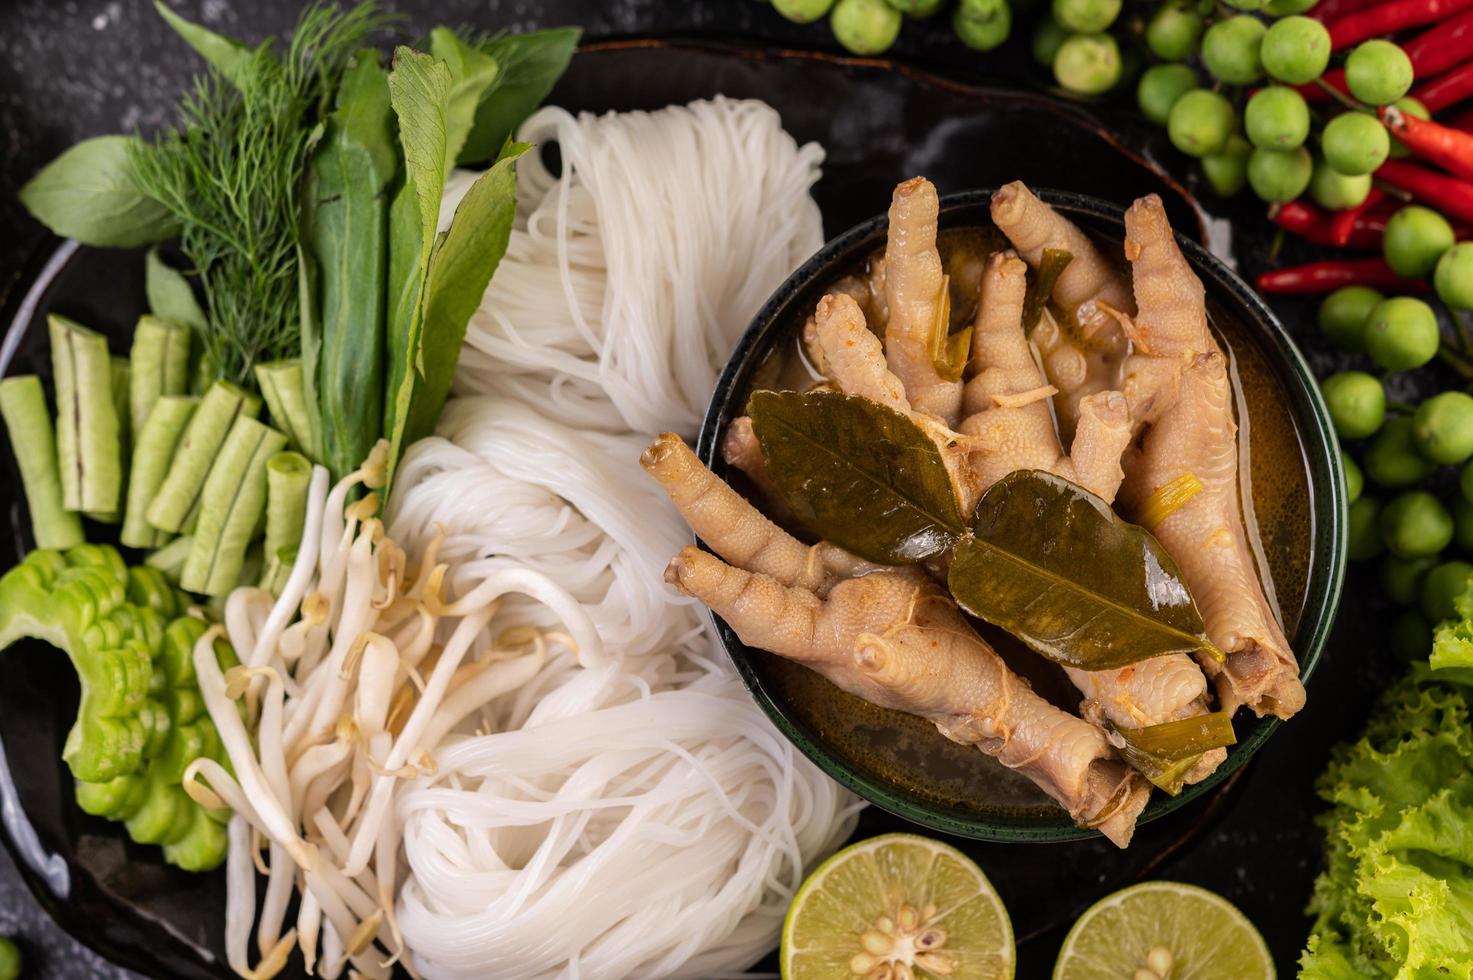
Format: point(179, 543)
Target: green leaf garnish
point(858, 474)
point(1041, 284)
point(1165, 753)
point(1051, 563)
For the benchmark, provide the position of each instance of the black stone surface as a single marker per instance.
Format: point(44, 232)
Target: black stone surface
point(84, 67)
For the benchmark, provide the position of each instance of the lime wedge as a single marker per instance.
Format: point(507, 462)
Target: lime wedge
point(1161, 929)
point(896, 907)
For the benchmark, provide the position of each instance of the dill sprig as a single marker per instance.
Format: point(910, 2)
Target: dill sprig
point(231, 174)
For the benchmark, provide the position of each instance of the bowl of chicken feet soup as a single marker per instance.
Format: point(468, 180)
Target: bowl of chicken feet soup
point(1020, 515)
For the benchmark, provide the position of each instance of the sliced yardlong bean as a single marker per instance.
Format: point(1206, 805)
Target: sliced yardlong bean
point(177, 505)
point(87, 426)
point(23, 405)
point(234, 500)
point(152, 453)
point(160, 366)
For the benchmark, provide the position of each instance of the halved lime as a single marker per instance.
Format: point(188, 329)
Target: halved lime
point(897, 906)
point(1161, 929)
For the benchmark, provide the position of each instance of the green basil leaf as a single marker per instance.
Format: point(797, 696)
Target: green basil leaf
point(530, 64)
point(1041, 284)
point(460, 270)
point(419, 90)
point(228, 56)
point(859, 474)
point(347, 205)
point(170, 296)
point(1051, 563)
point(472, 74)
point(89, 193)
point(1165, 753)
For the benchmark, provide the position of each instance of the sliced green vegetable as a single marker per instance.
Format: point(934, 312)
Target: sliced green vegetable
point(234, 501)
point(283, 386)
point(528, 67)
point(87, 427)
point(75, 600)
point(23, 406)
point(858, 474)
point(91, 193)
point(1041, 284)
point(345, 221)
point(278, 570)
point(287, 478)
point(1166, 753)
point(1051, 563)
point(169, 560)
point(176, 506)
point(229, 57)
point(121, 383)
point(160, 366)
point(157, 442)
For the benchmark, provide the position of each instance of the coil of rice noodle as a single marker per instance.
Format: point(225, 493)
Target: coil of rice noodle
point(486, 740)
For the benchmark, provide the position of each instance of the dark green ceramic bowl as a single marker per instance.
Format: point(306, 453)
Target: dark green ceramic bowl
point(1011, 810)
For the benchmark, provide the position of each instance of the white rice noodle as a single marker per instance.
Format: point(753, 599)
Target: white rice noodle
point(510, 750)
point(631, 273)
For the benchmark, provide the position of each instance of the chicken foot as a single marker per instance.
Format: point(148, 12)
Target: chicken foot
point(890, 636)
point(1179, 392)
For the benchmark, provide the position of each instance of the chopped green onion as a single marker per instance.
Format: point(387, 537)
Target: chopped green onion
point(1165, 753)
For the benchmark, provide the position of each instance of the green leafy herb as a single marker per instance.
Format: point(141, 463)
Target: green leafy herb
point(528, 66)
point(949, 351)
point(1051, 563)
point(460, 270)
point(92, 194)
point(231, 178)
point(1041, 284)
point(472, 75)
point(170, 297)
point(436, 282)
point(859, 474)
point(229, 57)
point(345, 228)
point(1165, 753)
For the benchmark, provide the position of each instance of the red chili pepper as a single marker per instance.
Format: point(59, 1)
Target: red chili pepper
point(1451, 196)
point(1446, 89)
point(1328, 10)
point(1451, 149)
point(1304, 220)
point(1315, 92)
point(1342, 225)
point(1367, 227)
point(1463, 121)
point(1388, 18)
point(1322, 277)
point(1449, 43)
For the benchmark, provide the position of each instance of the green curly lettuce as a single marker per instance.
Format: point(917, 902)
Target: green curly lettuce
point(1395, 899)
